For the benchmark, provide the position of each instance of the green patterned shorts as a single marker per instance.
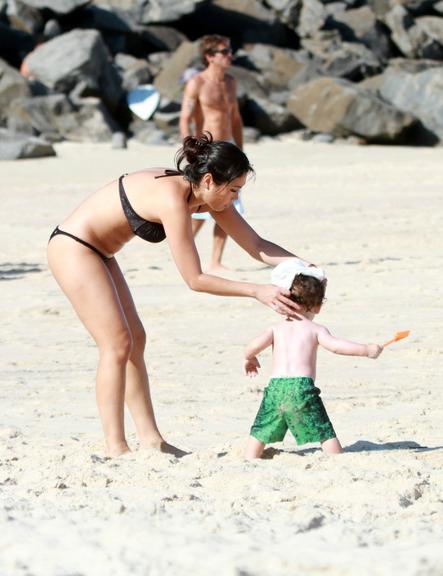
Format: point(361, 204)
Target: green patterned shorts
point(292, 403)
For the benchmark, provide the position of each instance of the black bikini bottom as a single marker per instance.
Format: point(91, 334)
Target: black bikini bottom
point(57, 231)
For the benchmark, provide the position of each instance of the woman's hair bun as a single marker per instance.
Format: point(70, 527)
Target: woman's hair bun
point(222, 159)
point(194, 148)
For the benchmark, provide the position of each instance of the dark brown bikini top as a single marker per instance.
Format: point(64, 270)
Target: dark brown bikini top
point(149, 231)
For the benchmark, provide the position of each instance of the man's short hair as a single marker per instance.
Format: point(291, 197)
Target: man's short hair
point(210, 43)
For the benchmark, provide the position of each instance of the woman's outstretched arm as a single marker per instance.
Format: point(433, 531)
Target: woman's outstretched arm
point(181, 242)
point(241, 232)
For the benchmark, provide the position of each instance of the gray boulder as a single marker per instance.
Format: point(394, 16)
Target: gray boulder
point(167, 81)
point(420, 38)
point(93, 123)
point(50, 116)
point(24, 17)
point(432, 28)
point(249, 84)
point(158, 11)
point(163, 37)
point(342, 59)
point(420, 94)
point(56, 118)
point(248, 21)
point(276, 65)
point(338, 107)
point(134, 71)
point(361, 25)
point(56, 6)
point(269, 117)
point(79, 56)
point(15, 146)
point(312, 18)
point(288, 11)
point(12, 86)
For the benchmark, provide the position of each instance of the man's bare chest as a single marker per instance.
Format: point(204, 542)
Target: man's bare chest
point(215, 96)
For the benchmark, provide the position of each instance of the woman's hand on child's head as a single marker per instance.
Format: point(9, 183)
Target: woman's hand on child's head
point(277, 299)
point(251, 366)
point(374, 350)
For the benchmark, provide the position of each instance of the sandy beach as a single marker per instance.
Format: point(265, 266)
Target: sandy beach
point(373, 218)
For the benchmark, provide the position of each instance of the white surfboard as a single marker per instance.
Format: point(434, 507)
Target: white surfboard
point(143, 100)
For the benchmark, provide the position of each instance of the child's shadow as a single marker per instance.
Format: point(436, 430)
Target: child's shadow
point(359, 446)
point(366, 446)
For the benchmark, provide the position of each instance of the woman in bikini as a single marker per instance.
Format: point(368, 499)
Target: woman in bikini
point(154, 204)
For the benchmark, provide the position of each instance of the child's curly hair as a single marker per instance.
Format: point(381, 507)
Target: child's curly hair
point(307, 291)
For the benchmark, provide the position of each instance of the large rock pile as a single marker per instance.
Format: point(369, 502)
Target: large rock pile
point(369, 70)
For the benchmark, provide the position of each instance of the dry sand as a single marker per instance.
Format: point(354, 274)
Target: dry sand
point(372, 217)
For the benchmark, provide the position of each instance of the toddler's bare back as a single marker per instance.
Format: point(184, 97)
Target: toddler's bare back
point(295, 348)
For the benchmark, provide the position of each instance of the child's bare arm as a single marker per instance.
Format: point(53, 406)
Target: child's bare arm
point(257, 345)
point(347, 347)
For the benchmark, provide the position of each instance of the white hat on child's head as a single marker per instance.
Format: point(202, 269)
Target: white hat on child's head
point(283, 274)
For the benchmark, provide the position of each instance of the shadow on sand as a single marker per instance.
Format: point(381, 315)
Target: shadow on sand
point(359, 446)
point(9, 271)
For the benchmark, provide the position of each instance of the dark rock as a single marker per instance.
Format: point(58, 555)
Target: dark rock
point(249, 84)
point(243, 22)
point(276, 65)
point(420, 94)
point(310, 71)
point(51, 116)
point(25, 18)
point(312, 18)
point(55, 117)
point(156, 11)
point(52, 29)
point(361, 25)
point(419, 38)
point(342, 59)
point(168, 80)
point(15, 146)
point(412, 66)
point(341, 108)
point(134, 71)
point(288, 11)
point(77, 57)
point(12, 86)
point(268, 117)
point(163, 37)
point(14, 45)
point(93, 123)
point(56, 6)
point(167, 122)
point(250, 134)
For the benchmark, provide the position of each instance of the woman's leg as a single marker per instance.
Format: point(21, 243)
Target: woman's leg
point(218, 246)
point(254, 448)
point(196, 226)
point(87, 282)
point(331, 446)
point(138, 396)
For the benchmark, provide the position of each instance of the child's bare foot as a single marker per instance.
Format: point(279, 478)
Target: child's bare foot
point(118, 449)
point(164, 447)
point(332, 446)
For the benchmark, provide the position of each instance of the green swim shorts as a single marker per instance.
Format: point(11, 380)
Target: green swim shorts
point(292, 403)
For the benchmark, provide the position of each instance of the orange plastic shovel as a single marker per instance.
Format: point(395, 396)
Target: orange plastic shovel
point(399, 336)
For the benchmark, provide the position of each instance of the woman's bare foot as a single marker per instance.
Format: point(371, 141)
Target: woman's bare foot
point(115, 450)
point(164, 447)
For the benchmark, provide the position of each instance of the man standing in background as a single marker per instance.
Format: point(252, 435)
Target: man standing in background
point(210, 104)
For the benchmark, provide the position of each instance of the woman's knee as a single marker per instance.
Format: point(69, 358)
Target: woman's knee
point(118, 347)
point(138, 339)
